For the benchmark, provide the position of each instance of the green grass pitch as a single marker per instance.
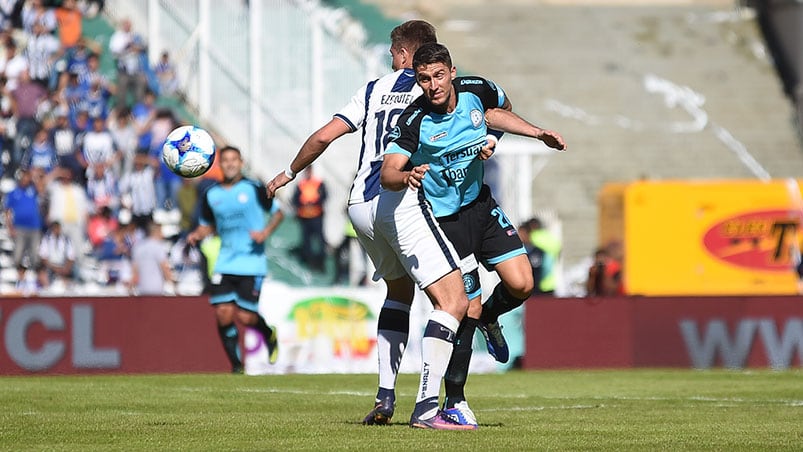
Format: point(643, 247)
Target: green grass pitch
point(541, 410)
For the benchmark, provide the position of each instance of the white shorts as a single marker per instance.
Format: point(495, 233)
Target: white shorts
point(400, 235)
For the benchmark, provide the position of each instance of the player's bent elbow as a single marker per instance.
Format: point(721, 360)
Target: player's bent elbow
point(521, 287)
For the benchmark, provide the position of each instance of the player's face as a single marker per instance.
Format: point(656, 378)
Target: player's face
point(231, 164)
point(436, 81)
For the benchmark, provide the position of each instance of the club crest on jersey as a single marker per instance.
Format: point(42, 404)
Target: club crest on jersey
point(394, 134)
point(438, 136)
point(469, 282)
point(476, 118)
point(242, 198)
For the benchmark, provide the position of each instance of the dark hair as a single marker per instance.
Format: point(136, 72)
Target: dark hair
point(229, 148)
point(431, 53)
point(163, 113)
point(413, 34)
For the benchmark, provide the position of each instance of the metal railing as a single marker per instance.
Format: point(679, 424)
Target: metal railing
point(262, 74)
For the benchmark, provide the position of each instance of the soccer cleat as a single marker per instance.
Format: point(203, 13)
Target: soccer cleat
point(439, 422)
point(381, 413)
point(461, 414)
point(495, 341)
point(273, 346)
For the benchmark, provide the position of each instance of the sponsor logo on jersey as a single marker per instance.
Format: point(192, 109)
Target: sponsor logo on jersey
point(476, 118)
point(471, 81)
point(454, 175)
point(438, 136)
point(461, 154)
point(412, 116)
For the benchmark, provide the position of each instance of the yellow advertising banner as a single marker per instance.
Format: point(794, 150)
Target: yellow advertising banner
point(712, 237)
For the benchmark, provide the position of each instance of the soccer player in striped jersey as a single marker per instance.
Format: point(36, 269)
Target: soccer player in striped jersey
point(444, 137)
point(235, 209)
point(399, 234)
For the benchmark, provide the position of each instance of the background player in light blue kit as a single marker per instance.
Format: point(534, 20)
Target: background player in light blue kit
point(236, 209)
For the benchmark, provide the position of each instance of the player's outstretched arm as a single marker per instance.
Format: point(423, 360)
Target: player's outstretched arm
point(315, 145)
point(507, 121)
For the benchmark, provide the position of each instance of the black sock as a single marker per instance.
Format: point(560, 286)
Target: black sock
point(384, 393)
point(231, 344)
point(500, 302)
point(263, 328)
point(457, 372)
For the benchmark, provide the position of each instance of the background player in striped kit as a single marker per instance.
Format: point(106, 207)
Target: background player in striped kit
point(375, 109)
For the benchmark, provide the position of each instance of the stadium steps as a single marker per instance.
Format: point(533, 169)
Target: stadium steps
point(283, 264)
point(582, 68)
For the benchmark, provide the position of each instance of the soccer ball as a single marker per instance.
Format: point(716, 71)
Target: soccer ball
point(189, 151)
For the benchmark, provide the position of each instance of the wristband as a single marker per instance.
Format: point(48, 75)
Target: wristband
point(289, 173)
point(492, 137)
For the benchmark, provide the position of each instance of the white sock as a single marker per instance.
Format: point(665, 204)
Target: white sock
point(436, 350)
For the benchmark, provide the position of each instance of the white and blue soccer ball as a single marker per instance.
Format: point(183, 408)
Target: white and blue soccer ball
point(189, 151)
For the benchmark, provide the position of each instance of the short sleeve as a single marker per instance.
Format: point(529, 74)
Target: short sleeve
point(353, 114)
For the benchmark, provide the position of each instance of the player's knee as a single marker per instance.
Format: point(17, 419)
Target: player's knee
point(224, 313)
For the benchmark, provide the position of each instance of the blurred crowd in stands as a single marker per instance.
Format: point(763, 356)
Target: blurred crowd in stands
point(83, 183)
point(81, 169)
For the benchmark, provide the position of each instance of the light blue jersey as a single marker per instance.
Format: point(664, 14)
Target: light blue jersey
point(449, 143)
point(235, 212)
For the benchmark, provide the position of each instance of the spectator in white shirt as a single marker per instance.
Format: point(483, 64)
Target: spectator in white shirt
point(42, 51)
point(99, 146)
point(128, 48)
point(69, 205)
point(14, 65)
point(138, 190)
point(57, 256)
point(150, 268)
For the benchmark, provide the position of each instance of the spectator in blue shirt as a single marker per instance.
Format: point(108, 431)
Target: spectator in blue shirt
point(24, 222)
point(41, 156)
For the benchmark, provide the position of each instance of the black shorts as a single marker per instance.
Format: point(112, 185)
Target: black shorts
point(241, 289)
point(482, 228)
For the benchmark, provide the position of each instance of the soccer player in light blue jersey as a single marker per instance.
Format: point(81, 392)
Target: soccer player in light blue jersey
point(438, 148)
point(236, 209)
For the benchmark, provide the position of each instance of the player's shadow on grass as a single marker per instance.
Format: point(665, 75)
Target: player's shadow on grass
point(406, 425)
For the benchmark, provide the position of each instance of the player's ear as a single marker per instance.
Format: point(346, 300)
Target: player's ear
point(407, 57)
point(454, 72)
